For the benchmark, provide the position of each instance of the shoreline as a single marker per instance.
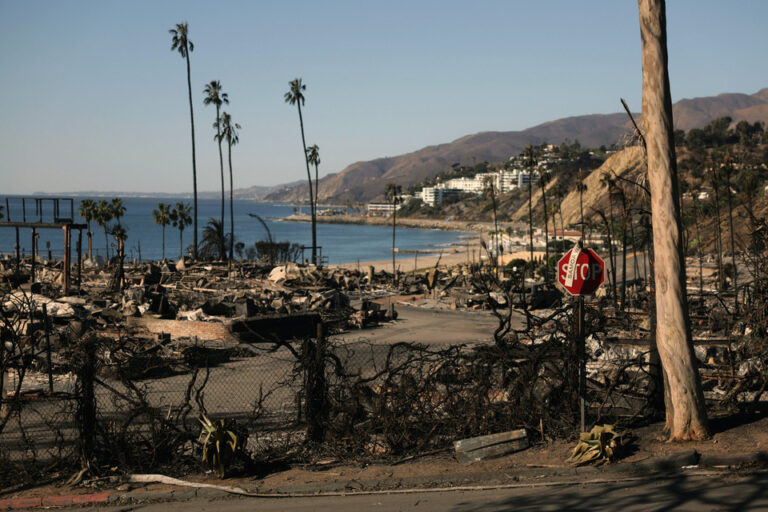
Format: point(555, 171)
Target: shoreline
point(475, 228)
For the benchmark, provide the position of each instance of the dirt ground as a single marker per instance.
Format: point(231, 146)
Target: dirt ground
point(732, 435)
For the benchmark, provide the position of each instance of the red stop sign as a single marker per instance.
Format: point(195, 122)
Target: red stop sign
point(587, 273)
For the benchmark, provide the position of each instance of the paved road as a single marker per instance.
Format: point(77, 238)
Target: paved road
point(679, 493)
point(443, 327)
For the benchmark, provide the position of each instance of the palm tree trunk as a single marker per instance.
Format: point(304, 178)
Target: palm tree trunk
point(394, 224)
point(222, 247)
point(309, 178)
point(530, 220)
point(231, 206)
point(685, 410)
point(106, 243)
point(194, 160)
point(181, 244)
point(162, 230)
point(546, 235)
point(733, 245)
point(719, 240)
point(90, 241)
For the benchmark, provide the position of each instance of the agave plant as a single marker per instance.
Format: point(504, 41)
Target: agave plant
point(599, 446)
point(222, 444)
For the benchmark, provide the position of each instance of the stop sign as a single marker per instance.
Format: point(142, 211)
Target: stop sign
point(580, 271)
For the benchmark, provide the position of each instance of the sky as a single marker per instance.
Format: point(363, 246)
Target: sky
point(92, 98)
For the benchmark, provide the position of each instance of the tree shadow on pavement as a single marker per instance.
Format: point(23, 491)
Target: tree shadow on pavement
point(673, 492)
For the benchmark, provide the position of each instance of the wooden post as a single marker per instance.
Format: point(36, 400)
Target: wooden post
point(48, 349)
point(65, 277)
point(79, 258)
point(34, 253)
point(18, 250)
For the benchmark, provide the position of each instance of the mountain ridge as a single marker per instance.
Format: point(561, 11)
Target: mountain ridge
point(366, 180)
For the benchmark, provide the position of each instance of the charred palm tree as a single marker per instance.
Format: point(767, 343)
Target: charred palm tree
point(104, 214)
point(215, 96)
point(714, 178)
point(88, 212)
point(180, 218)
point(180, 42)
point(393, 193)
point(530, 163)
point(544, 180)
point(229, 131)
point(313, 156)
point(162, 217)
point(727, 173)
point(295, 96)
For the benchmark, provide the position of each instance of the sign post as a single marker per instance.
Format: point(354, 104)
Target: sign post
point(581, 271)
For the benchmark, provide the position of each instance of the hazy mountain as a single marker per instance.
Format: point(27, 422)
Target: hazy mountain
point(363, 181)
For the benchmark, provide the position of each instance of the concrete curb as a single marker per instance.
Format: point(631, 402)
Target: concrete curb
point(55, 501)
point(659, 466)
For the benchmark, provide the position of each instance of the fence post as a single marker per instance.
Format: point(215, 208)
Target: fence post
point(86, 400)
point(315, 386)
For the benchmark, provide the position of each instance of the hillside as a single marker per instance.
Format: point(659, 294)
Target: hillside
point(363, 181)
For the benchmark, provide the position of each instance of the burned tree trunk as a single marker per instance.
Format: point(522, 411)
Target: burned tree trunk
point(685, 409)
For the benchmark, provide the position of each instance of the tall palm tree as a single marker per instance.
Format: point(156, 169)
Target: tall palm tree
point(180, 217)
point(581, 187)
point(715, 181)
point(313, 156)
point(229, 132)
point(104, 213)
point(295, 96)
point(214, 95)
point(181, 43)
point(162, 217)
point(88, 212)
point(489, 190)
point(118, 210)
point(393, 193)
point(728, 171)
point(544, 180)
point(530, 162)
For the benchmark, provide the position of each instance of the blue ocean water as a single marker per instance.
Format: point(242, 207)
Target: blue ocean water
point(340, 243)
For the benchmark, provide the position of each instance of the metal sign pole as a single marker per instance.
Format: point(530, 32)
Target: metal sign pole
point(582, 360)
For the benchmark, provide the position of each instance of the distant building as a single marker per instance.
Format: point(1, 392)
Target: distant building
point(382, 208)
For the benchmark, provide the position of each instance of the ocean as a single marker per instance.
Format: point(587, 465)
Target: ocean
point(341, 243)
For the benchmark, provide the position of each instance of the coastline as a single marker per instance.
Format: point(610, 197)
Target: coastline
point(405, 222)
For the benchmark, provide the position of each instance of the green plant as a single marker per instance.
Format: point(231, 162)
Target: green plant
point(223, 444)
point(599, 446)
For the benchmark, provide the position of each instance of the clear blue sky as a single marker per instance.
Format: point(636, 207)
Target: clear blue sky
point(92, 98)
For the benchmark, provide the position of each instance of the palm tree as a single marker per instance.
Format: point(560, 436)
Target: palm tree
point(229, 132)
point(530, 162)
point(393, 193)
point(544, 179)
point(162, 217)
point(181, 43)
point(213, 240)
point(180, 218)
point(214, 95)
point(88, 212)
point(581, 187)
point(490, 191)
point(118, 210)
point(295, 96)
point(313, 156)
point(104, 214)
point(727, 173)
point(715, 181)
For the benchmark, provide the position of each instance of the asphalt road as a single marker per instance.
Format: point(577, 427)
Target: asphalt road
point(679, 492)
